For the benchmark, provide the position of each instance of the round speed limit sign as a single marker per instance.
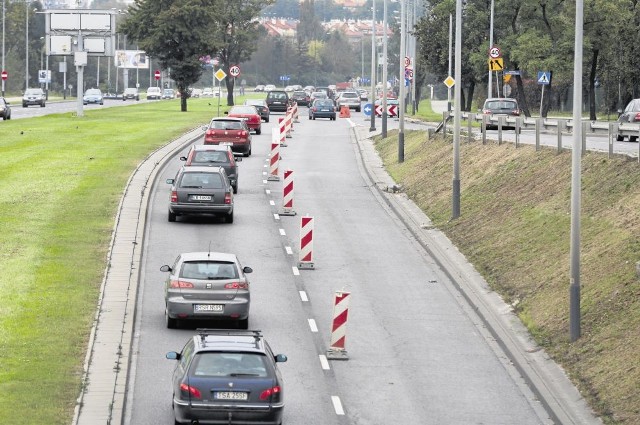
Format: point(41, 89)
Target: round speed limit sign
point(234, 71)
point(495, 53)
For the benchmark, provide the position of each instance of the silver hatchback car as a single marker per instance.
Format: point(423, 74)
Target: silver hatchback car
point(207, 286)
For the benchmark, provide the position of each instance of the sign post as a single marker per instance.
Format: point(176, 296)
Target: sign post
point(220, 75)
point(234, 71)
point(496, 63)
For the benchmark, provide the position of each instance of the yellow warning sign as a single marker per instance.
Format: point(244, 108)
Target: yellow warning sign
point(496, 64)
point(449, 82)
point(220, 74)
point(506, 78)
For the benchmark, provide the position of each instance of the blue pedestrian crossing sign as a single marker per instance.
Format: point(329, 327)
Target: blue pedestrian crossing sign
point(367, 109)
point(544, 77)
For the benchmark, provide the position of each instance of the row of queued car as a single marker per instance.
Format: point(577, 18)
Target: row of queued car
point(221, 376)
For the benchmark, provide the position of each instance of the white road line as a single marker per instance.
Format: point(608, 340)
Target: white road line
point(264, 173)
point(337, 405)
point(296, 272)
point(267, 191)
point(276, 216)
point(289, 250)
point(272, 203)
point(312, 325)
point(264, 181)
point(282, 232)
point(324, 363)
point(265, 165)
point(303, 296)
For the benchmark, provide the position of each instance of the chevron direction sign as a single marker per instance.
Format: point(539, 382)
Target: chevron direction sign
point(391, 110)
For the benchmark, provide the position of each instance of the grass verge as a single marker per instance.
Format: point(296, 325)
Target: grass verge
point(60, 183)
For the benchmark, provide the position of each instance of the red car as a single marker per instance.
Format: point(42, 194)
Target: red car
point(231, 132)
point(248, 113)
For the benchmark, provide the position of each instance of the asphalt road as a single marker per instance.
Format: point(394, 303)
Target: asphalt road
point(418, 354)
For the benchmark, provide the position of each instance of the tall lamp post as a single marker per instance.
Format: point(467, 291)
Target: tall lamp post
point(490, 87)
point(3, 15)
point(373, 67)
point(385, 77)
point(401, 94)
point(26, 48)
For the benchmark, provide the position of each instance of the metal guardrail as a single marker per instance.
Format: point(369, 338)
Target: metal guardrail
point(558, 125)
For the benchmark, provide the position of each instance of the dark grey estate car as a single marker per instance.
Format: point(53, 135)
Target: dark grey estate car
point(215, 156)
point(201, 190)
point(207, 286)
point(225, 377)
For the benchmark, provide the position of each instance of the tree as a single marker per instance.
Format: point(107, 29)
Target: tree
point(176, 33)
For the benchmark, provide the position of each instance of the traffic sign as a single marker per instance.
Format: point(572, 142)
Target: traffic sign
point(391, 110)
point(449, 81)
point(5, 75)
point(544, 77)
point(367, 109)
point(407, 61)
point(157, 75)
point(408, 73)
point(234, 71)
point(496, 64)
point(495, 53)
point(220, 74)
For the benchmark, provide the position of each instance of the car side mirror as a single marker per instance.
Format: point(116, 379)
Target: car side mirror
point(205, 128)
point(247, 269)
point(183, 158)
point(170, 181)
point(165, 268)
point(280, 358)
point(172, 355)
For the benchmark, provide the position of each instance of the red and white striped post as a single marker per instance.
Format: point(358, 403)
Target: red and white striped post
point(296, 118)
point(282, 128)
point(288, 120)
point(274, 162)
point(287, 196)
point(337, 349)
point(306, 243)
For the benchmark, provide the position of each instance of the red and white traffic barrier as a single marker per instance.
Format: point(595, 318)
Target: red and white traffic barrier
point(337, 349)
point(288, 120)
point(296, 118)
point(306, 243)
point(287, 196)
point(282, 131)
point(274, 162)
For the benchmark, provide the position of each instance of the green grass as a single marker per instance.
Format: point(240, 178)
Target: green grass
point(515, 229)
point(60, 183)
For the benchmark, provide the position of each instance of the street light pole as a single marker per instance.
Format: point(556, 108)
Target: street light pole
point(3, 15)
point(26, 48)
point(401, 97)
point(385, 77)
point(457, 94)
point(373, 67)
point(490, 91)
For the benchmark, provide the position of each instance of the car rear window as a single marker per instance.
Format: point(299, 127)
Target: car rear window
point(201, 180)
point(209, 270)
point(323, 102)
point(501, 104)
point(226, 125)
point(279, 96)
point(211, 156)
point(229, 364)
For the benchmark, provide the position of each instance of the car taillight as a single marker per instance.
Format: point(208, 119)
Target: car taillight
point(210, 133)
point(227, 198)
point(486, 111)
point(314, 109)
point(637, 118)
point(188, 390)
point(516, 112)
point(180, 284)
point(174, 196)
point(232, 159)
point(236, 285)
point(243, 133)
point(269, 392)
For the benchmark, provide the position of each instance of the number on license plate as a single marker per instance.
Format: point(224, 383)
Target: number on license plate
point(207, 307)
point(226, 143)
point(201, 197)
point(229, 395)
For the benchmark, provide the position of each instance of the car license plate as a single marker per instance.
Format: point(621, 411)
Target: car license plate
point(207, 307)
point(229, 395)
point(201, 197)
point(324, 110)
point(226, 144)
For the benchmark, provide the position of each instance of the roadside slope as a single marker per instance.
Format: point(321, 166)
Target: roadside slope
point(514, 227)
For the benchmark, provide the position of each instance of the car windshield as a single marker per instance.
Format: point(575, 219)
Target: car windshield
point(500, 104)
point(92, 92)
point(229, 364)
point(349, 95)
point(201, 180)
point(33, 91)
point(226, 125)
point(208, 270)
point(133, 91)
point(210, 156)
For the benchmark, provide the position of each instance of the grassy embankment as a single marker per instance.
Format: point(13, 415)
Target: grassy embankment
point(60, 183)
point(515, 228)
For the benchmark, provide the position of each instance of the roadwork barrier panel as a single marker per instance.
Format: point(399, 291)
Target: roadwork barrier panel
point(337, 349)
point(287, 194)
point(306, 243)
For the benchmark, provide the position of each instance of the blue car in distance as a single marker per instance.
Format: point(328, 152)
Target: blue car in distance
point(93, 96)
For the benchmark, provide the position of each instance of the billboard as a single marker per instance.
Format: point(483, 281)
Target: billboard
point(136, 59)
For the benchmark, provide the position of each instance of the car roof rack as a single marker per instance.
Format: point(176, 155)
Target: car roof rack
point(203, 332)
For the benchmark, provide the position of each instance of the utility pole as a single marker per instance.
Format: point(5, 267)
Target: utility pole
point(373, 66)
point(401, 97)
point(456, 114)
point(385, 77)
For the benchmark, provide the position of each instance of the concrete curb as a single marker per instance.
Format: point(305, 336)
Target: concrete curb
point(106, 365)
point(548, 381)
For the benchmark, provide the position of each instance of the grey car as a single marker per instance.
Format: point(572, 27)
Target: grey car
point(501, 107)
point(631, 114)
point(34, 97)
point(207, 286)
point(201, 190)
point(93, 96)
point(350, 99)
point(227, 377)
point(322, 108)
point(217, 156)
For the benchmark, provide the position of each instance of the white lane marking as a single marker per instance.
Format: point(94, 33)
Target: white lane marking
point(264, 181)
point(289, 250)
point(265, 165)
point(312, 325)
point(264, 173)
point(296, 272)
point(337, 405)
point(324, 362)
point(267, 191)
point(282, 232)
point(276, 216)
point(303, 296)
point(272, 203)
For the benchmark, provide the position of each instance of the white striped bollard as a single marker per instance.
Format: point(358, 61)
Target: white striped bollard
point(296, 118)
point(287, 195)
point(274, 162)
point(288, 123)
point(282, 131)
point(337, 349)
point(306, 243)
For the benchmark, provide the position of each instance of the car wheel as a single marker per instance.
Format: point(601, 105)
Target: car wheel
point(259, 130)
point(171, 323)
point(102, 103)
point(24, 105)
point(42, 105)
point(172, 216)
point(309, 117)
point(358, 110)
point(633, 138)
point(229, 218)
point(235, 189)
point(619, 138)
point(84, 104)
point(243, 324)
point(267, 120)
point(314, 117)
